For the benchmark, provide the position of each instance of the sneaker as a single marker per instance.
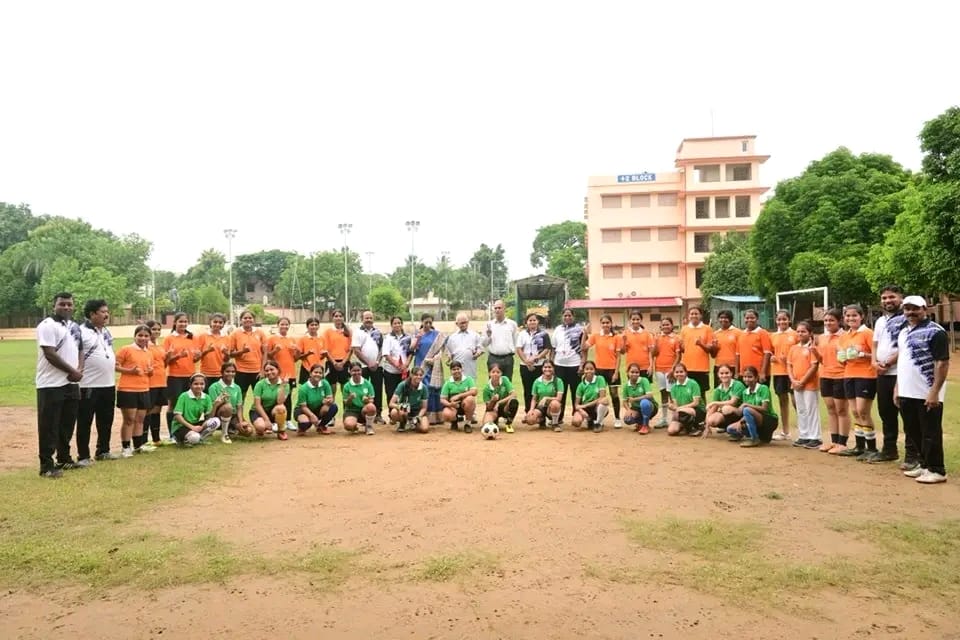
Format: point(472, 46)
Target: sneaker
point(661, 425)
point(401, 427)
point(225, 439)
point(557, 428)
point(86, 462)
point(932, 477)
point(779, 436)
point(801, 442)
point(146, 447)
point(368, 429)
point(850, 453)
point(108, 456)
point(273, 427)
point(916, 472)
point(282, 435)
point(454, 426)
point(171, 441)
point(69, 466)
point(644, 429)
point(291, 425)
point(51, 473)
point(597, 428)
point(750, 442)
point(618, 424)
point(813, 444)
point(908, 465)
point(508, 427)
point(467, 428)
point(867, 456)
point(884, 456)
point(736, 437)
point(126, 453)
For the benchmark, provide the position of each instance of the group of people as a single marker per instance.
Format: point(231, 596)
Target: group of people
point(201, 382)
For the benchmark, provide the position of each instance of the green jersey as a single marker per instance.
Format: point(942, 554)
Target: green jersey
point(451, 387)
point(414, 397)
point(268, 392)
point(233, 392)
point(313, 396)
point(685, 393)
point(192, 408)
point(757, 396)
point(543, 389)
point(735, 390)
point(642, 388)
point(359, 390)
point(590, 391)
point(505, 389)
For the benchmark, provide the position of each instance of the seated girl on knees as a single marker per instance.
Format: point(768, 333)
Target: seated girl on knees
point(686, 403)
point(358, 407)
point(268, 412)
point(193, 414)
point(638, 399)
point(546, 399)
point(724, 410)
point(228, 404)
point(458, 396)
point(759, 416)
point(315, 407)
point(499, 398)
point(408, 405)
point(590, 400)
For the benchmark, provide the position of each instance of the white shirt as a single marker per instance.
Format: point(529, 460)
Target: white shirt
point(530, 346)
point(65, 338)
point(886, 347)
point(566, 345)
point(393, 349)
point(502, 337)
point(367, 345)
point(462, 347)
point(99, 361)
point(920, 348)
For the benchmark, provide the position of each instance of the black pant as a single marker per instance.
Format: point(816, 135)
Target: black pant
point(570, 376)
point(508, 410)
point(375, 376)
point(923, 429)
point(528, 377)
point(889, 417)
point(505, 362)
point(390, 383)
point(56, 416)
point(99, 403)
point(244, 381)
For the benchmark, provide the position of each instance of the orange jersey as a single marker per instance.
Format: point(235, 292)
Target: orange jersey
point(753, 344)
point(252, 360)
point(857, 342)
point(605, 349)
point(694, 357)
point(782, 342)
point(210, 363)
point(133, 356)
point(801, 359)
point(827, 345)
point(316, 345)
point(159, 377)
point(667, 346)
point(728, 341)
point(284, 356)
point(638, 345)
point(338, 345)
point(185, 366)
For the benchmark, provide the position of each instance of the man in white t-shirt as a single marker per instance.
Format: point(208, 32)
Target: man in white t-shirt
point(59, 370)
point(464, 346)
point(501, 340)
point(921, 378)
point(98, 391)
point(885, 353)
point(367, 345)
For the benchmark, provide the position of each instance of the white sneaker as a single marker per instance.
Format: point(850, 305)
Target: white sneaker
point(171, 440)
point(916, 472)
point(618, 424)
point(779, 436)
point(291, 425)
point(147, 448)
point(368, 429)
point(931, 477)
point(273, 427)
point(225, 439)
point(126, 453)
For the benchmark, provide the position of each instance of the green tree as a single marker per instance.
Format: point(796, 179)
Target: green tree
point(940, 142)
point(491, 264)
point(424, 278)
point(264, 266)
point(904, 258)
point(563, 247)
point(726, 271)
point(940, 195)
point(386, 301)
point(809, 269)
point(848, 281)
point(209, 270)
point(64, 274)
point(16, 223)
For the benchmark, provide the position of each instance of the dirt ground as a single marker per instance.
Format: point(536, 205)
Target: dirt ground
point(545, 505)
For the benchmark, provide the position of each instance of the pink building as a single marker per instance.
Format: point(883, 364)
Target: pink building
point(649, 234)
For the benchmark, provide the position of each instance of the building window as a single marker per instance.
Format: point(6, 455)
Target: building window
point(251, 287)
point(611, 202)
point(639, 200)
point(655, 317)
point(707, 172)
point(666, 199)
point(703, 208)
point(666, 234)
point(743, 146)
point(742, 204)
point(698, 277)
point(610, 235)
point(640, 271)
point(701, 243)
point(721, 208)
point(738, 172)
point(668, 270)
point(639, 235)
point(612, 272)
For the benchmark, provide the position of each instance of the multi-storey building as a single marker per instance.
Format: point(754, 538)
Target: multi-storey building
point(649, 234)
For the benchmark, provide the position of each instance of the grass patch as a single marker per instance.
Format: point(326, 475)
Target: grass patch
point(773, 495)
point(705, 538)
point(446, 567)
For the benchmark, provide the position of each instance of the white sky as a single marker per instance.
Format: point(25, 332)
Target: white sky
point(176, 120)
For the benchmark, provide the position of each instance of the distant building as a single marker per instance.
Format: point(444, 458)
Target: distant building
point(438, 308)
point(258, 292)
point(648, 234)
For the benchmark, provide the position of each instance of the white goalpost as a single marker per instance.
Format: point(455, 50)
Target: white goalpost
point(813, 294)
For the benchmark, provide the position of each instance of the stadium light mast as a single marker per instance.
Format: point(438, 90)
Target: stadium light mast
point(230, 234)
point(344, 230)
point(412, 227)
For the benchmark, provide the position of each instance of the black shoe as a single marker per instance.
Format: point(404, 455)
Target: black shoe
point(885, 456)
point(813, 444)
point(908, 464)
point(454, 426)
point(69, 466)
point(866, 456)
point(597, 428)
point(51, 473)
point(801, 442)
point(851, 453)
point(401, 427)
point(467, 428)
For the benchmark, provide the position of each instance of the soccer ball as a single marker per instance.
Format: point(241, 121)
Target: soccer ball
point(490, 431)
point(192, 437)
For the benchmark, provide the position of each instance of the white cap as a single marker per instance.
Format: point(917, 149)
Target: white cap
point(915, 301)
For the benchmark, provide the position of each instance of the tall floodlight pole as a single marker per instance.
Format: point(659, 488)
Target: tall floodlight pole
point(344, 230)
point(313, 272)
point(412, 226)
point(153, 291)
point(230, 234)
point(370, 271)
point(446, 269)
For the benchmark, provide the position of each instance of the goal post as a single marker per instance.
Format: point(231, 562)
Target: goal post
point(809, 296)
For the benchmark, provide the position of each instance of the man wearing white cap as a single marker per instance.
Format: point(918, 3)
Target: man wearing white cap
point(921, 376)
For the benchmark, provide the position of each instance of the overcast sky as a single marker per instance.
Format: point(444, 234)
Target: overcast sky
point(481, 120)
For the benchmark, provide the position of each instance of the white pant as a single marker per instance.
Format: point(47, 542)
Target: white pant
point(808, 414)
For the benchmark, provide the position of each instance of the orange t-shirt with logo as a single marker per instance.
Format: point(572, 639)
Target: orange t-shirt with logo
point(782, 342)
point(827, 345)
point(283, 357)
point(728, 341)
point(158, 380)
point(133, 356)
point(311, 343)
point(338, 345)
point(252, 361)
point(667, 346)
point(185, 366)
point(859, 341)
point(606, 348)
point(210, 363)
point(638, 346)
point(801, 359)
point(753, 344)
point(694, 357)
